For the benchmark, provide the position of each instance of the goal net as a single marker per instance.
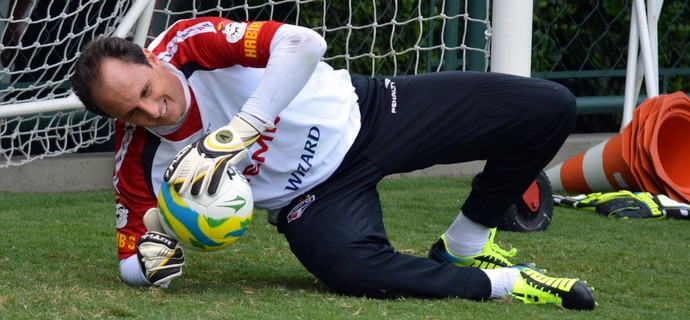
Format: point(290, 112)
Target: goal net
point(40, 41)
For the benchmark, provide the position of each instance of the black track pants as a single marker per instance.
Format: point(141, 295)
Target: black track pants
point(516, 124)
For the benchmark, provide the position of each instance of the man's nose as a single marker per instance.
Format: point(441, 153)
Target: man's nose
point(151, 108)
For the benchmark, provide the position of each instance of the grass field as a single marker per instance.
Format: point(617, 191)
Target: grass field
point(57, 261)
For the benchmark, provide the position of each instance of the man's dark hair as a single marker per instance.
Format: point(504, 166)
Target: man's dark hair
point(88, 66)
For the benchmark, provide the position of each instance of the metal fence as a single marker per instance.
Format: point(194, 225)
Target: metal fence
point(584, 45)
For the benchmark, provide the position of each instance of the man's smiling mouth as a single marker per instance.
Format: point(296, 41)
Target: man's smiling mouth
point(165, 109)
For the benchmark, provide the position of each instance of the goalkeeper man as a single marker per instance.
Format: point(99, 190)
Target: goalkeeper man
point(314, 142)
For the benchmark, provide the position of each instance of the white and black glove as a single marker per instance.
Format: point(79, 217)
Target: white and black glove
point(160, 256)
point(200, 165)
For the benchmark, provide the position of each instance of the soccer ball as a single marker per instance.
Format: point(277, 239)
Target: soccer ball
point(204, 222)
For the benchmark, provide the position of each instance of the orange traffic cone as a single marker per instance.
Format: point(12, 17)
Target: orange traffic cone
point(650, 154)
point(601, 168)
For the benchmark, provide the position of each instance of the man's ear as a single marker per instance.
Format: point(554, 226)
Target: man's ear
point(152, 59)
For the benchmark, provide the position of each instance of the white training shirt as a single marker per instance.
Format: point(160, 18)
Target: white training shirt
point(310, 138)
point(226, 67)
point(221, 64)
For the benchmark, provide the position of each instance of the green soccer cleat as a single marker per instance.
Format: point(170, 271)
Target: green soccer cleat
point(492, 255)
point(536, 288)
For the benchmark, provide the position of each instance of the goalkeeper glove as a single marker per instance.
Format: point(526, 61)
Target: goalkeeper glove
point(160, 257)
point(626, 204)
point(200, 165)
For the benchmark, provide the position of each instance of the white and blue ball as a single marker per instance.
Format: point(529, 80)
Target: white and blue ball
point(204, 222)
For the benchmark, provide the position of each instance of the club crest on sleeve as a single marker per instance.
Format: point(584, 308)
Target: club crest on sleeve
point(234, 31)
point(121, 215)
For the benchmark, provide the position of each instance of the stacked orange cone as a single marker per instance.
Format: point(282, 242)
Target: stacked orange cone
point(652, 154)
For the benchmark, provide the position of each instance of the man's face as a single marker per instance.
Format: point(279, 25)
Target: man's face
point(139, 94)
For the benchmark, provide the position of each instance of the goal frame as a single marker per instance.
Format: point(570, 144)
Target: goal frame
point(504, 46)
point(510, 47)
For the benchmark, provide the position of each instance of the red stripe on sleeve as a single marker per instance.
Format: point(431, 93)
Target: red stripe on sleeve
point(215, 42)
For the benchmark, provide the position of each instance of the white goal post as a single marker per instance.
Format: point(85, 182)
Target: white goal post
point(40, 39)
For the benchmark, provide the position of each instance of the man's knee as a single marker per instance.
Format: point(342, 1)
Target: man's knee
point(352, 271)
